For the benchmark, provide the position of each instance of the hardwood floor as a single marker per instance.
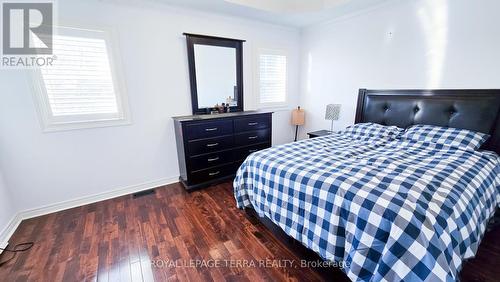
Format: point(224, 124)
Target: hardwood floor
point(486, 265)
point(172, 235)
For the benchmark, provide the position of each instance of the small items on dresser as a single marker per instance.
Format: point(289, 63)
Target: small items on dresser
point(220, 108)
point(224, 108)
point(230, 101)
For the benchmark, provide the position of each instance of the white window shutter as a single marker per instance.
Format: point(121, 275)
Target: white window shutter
point(272, 78)
point(80, 88)
point(80, 82)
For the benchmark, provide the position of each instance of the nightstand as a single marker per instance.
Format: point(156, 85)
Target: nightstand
point(319, 133)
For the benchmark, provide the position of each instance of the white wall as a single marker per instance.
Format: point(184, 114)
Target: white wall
point(48, 168)
point(403, 44)
point(7, 211)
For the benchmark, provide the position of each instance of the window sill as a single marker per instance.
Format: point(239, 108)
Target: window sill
point(66, 126)
point(275, 107)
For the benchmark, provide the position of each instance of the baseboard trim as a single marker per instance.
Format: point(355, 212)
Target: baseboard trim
point(64, 205)
point(77, 202)
point(7, 232)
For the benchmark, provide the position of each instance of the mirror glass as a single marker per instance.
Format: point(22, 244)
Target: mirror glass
point(215, 75)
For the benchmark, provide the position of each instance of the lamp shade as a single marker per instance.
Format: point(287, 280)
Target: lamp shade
point(332, 112)
point(298, 116)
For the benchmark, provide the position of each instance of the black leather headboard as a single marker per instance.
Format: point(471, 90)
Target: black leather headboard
point(477, 110)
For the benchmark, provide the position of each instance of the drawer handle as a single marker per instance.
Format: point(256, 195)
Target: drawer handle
point(213, 159)
point(253, 137)
point(253, 123)
point(252, 150)
point(212, 144)
point(211, 129)
point(213, 173)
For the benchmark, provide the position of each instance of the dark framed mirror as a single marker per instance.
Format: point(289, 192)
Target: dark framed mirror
point(215, 73)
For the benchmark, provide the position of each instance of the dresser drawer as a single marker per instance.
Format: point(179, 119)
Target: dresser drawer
point(252, 137)
point(205, 175)
point(209, 129)
point(210, 145)
point(242, 153)
point(210, 160)
point(211, 148)
point(252, 123)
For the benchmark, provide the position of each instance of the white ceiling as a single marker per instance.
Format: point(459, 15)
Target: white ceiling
point(297, 13)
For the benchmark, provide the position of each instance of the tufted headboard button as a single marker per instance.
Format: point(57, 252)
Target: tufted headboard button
point(452, 110)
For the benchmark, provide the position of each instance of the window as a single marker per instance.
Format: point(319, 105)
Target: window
point(272, 77)
point(80, 89)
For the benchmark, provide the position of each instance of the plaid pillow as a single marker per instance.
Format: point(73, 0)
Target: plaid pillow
point(454, 137)
point(373, 130)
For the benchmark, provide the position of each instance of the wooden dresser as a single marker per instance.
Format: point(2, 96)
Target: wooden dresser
point(212, 147)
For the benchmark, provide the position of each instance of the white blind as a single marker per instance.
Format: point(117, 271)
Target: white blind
point(272, 78)
point(80, 82)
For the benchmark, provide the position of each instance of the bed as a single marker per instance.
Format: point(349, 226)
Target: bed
point(385, 209)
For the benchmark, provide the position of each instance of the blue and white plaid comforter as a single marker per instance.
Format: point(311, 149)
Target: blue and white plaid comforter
point(389, 210)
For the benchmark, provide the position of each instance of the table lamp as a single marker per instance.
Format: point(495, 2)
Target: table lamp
point(298, 118)
point(332, 113)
